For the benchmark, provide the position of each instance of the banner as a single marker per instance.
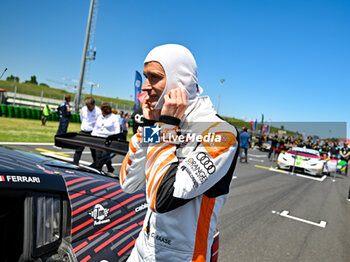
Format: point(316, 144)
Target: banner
point(255, 124)
point(137, 84)
point(264, 129)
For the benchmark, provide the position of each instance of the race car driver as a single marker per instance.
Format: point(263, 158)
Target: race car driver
point(187, 181)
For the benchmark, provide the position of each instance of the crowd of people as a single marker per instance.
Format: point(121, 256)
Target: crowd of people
point(327, 149)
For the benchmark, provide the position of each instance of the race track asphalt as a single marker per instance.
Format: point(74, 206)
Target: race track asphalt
point(271, 215)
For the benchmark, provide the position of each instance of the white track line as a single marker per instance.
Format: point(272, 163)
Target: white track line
point(257, 160)
point(257, 155)
point(285, 213)
point(299, 175)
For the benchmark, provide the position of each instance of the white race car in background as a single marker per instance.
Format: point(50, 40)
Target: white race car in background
point(305, 160)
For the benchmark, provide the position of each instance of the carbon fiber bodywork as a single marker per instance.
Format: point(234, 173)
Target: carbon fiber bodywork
point(101, 223)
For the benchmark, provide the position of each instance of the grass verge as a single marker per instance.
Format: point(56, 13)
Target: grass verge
point(28, 130)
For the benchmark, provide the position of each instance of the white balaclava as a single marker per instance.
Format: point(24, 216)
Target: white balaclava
point(180, 71)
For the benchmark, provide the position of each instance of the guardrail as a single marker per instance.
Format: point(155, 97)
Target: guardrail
point(30, 113)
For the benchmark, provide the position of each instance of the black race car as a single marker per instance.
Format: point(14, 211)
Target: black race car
point(56, 211)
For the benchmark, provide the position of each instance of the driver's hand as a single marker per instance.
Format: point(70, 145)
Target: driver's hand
point(175, 103)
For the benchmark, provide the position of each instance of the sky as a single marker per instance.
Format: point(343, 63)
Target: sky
point(286, 59)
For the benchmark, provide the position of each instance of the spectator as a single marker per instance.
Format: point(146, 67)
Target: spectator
point(106, 125)
point(121, 119)
point(64, 113)
point(45, 115)
point(125, 125)
point(88, 117)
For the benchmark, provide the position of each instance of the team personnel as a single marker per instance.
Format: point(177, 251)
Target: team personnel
point(64, 113)
point(88, 117)
point(45, 115)
point(299, 142)
point(325, 149)
point(244, 145)
point(288, 144)
point(345, 155)
point(316, 145)
point(274, 141)
point(186, 182)
point(106, 125)
point(309, 143)
point(280, 145)
point(335, 150)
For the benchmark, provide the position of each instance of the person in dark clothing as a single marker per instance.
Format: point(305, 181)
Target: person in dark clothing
point(345, 155)
point(274, 141)
point(309, 143)
point(316, 145)
point(299, 142)
point(335, 150)
point(64, 112)
point(288, 144)
point(136, 119)
point(244, 145)
point(325, 149)
point(280, 146)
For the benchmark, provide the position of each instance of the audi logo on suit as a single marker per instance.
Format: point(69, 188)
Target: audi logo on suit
point(206, 162)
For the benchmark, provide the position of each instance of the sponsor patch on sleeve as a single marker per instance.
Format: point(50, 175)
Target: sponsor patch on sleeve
point(222, 142)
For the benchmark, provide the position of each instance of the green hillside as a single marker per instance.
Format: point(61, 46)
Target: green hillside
point(55, 93)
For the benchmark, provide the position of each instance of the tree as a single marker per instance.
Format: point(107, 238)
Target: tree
point(43, 84)
point(32, 80)
point(282, 127)
point(12, 78)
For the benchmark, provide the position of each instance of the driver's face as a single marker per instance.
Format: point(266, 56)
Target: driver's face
point(155, 81)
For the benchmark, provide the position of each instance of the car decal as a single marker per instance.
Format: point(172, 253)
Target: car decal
point(105, 220)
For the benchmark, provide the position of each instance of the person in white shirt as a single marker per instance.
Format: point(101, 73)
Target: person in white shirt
point(88, 116)
point(106, 125)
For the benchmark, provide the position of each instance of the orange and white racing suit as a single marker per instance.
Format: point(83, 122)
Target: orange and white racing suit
point(187, 182)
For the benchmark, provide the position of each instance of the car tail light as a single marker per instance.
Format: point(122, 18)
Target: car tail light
point(215, 248)
point(48, 220)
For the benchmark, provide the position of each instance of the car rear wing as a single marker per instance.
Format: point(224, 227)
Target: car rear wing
point(112, 144)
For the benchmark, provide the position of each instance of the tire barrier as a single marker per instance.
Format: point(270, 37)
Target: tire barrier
point(3, 110)
point(30, 113)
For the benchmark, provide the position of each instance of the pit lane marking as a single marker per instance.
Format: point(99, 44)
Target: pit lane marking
point(285, 213)
point(290, 173)
point(50, 151)
point(69, 159)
